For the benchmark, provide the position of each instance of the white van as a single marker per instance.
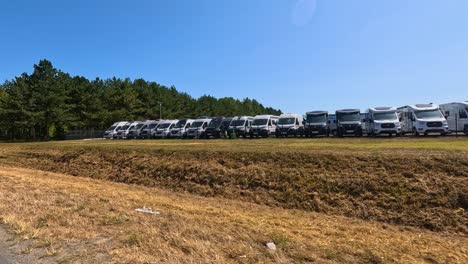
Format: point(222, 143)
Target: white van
point(148, 129)
point(198, 127)
point(383, 120)
point(290, 125)
point(422, 119)
point(456, 115)
point(112, 131)
point(164, 128)
point(349, 122)
point(240, 126)
point(317, 123)
point(181, 128)
point(263, 126)
point(134, 129)
point(122, 130)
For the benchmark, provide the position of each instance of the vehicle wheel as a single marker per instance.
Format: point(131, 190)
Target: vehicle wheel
point(425, 134)
point(390, 134)
point(443, 134)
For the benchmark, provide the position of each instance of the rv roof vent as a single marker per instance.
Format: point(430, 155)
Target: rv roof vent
point(423, 105)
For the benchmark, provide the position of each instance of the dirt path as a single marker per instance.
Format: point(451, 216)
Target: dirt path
point(6, 256)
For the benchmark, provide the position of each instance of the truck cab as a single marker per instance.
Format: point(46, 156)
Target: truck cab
point(349, 122)
point(180, 129)
point(198, 127)
point(383, 120)
point(290, 125)
point(422, 119)
point(214, 128)
point(317, 123)
point(456, 115)
point(164, 128)
point(112, 130)
point(240, 126)
point(263, 126)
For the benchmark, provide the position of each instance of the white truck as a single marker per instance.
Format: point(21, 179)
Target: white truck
point(382, 120)
point(316, 123)
point(290, 125)
point(147, 130)
point(164, 128)
point(112, 131)
point(198, 127)
point(457, 116)
point(422, 119)
point(181, 128)
point(240, 126)
point(349, 122)
point(263, 126)
point(122, 131)
point(135, 129)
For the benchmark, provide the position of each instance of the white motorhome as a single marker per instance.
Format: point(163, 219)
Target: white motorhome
point(198, 127)
point(422, 119)
point(112, 131)
point(349, 122)
point(290, 125)
point(263, 126)
point(181, 128)
point(148, 129)
point(316, 123)
point(121, 130)
point(456, 115)
point(164, 128)
point(382, 120)
point(240, 126)
point(135, 129)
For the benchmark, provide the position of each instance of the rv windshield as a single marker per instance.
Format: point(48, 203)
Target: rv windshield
point(260, 122)
point(316, 118)
point(111, 128)
point(286, 121)
point(180, 124)
point(214, 124)
point(124, 127)
point(385, 116)
point(226, 123)
point(348, 117)
point(164, 126)
point(139, 126)
point(428, 114)
point(151, 126)
point(198, 124)
point(239, 122)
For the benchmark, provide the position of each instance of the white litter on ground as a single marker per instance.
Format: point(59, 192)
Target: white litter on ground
point(147, 211)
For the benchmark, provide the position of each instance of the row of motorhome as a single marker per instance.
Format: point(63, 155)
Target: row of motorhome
point(419, 119)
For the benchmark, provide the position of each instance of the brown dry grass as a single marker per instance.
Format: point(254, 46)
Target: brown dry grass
point(80, 219)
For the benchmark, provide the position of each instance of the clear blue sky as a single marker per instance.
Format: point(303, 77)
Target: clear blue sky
point(294, 55)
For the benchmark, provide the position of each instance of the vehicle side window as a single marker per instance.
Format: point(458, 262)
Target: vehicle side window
point(297, 122)
point(269, 122)
point(462, 114)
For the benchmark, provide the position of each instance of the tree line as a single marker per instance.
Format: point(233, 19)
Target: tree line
point(47, 103)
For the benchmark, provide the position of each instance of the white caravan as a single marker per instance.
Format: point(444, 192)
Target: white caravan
point(148, 129)
point(181, 128)
point(349, 122)
point(164, 128)
point(135, 129)
point(316, 123)
point(121, 130)
point(263, 126)
point(422, 119)
point(456, 115)
point(290, 125)
point(198, 127)
point(112, 131)
point(124, 130)
point(383, 120)
point(240, 126)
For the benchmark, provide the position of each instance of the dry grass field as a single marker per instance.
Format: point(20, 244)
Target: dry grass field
point(319, 200)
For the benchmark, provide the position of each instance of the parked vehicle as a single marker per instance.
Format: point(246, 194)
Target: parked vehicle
point(135, 129)
point(290, 125)
point(225, 126)
point(122, 131)
point(240, 126)
point(181, 128)
point(112, 131)
point(456, 115)
point(198, 127)
point(422, 119)
point(317, 123)
point(148, 129)
point(383, 120)
point(164, 128)
point(332, 123)
point(214, 129)
point(349, 122)
point(263, 126)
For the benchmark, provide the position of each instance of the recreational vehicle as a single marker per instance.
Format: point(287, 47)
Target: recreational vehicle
point(225, 126)
point(456, 115)
point(382, 120)
point(181, 128)
point(112, 131)
point(240, 126)
point(290, 125)
point(164, 128)
point(198, 127)
point(214, 128)
point(134, 129)
point(317, 123)
point(148, 129)
point(348, 122)
point(122, 131)
point(422, 119)
point(263, 126)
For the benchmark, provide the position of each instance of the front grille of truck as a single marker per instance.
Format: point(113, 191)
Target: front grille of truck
point(349, 127)
point(434, 124)
point(388, 125)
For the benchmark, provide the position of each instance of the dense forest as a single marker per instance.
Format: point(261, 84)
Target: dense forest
point(47, 103)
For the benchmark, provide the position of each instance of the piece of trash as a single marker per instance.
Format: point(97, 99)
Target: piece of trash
point(271, 246)
point(147, 211)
